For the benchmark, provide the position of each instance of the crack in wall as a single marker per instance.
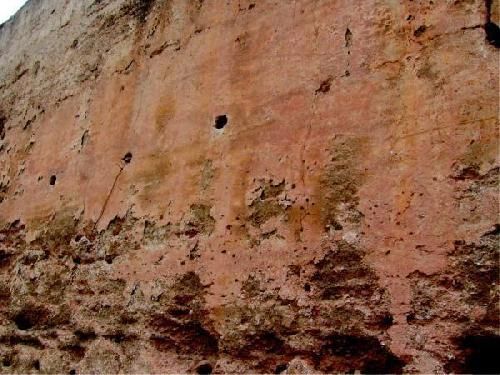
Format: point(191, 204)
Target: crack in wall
point(122, 167)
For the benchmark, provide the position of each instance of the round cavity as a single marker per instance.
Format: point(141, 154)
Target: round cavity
point(220, 122)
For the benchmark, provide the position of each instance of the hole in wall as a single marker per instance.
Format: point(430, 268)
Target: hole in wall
point(220, 122)
point(478, 355)
point(24, 321)
point(280, 368)
point(490, 28)
point(420, 31)
point(6, 362)
point(492, 34)
point(127, 158)
point(52, 180)
point(84, 138)
point(204, 368)
point(324, 86)
point(3, 120)
point(348, 38)
point(386, 321)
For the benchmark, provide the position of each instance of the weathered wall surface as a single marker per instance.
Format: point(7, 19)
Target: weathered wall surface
point(345, 218)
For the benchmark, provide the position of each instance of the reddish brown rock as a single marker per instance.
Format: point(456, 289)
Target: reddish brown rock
point(249, 186)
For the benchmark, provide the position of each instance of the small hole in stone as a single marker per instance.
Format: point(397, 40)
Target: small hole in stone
point(348, 38)
point(307, 287)
point(3, 120)
point(52, 180)
point(337, 226)
point(418, 32)
point(204, 368)
point(280, 368)
point(324, 86)
point(386, 321)
point(36, 364)
point(72, 371)
point(492, 34)
point(220, 122)
point(127, 158)
point(24, 321)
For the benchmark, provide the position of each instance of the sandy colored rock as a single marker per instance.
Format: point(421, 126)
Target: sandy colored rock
point(205, 186)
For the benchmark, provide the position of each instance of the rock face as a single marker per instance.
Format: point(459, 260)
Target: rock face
point(249, 186)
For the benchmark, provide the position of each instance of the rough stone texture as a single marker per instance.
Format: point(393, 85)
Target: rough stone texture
point(342, 217)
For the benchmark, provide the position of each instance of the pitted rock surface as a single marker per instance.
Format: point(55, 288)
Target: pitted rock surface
point(208, 186)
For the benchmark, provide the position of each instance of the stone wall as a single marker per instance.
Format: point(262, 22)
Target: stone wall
point(249, 186)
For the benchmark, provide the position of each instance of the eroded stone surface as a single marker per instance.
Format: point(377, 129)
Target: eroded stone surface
point(249, 186)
